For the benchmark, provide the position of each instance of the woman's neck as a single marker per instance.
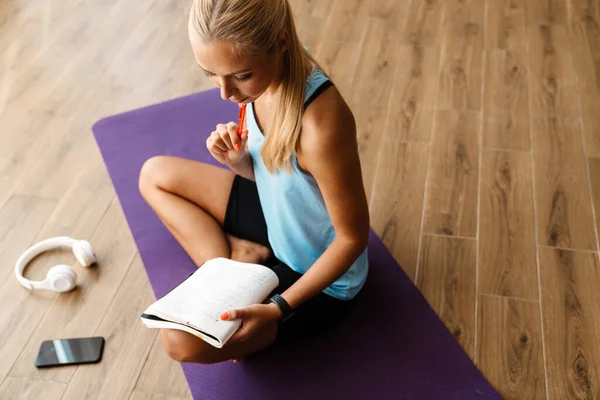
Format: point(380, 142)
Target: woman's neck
point(271, 91)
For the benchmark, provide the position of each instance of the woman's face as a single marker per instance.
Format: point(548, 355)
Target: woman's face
point(241, 80)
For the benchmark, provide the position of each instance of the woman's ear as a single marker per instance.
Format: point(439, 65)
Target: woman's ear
point(283, 41)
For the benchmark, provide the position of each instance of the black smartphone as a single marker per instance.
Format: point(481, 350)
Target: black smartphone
point(70, 351)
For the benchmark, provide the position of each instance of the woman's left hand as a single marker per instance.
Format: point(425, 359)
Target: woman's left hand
point(254, 318)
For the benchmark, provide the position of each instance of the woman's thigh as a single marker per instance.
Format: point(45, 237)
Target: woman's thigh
point(205, 185)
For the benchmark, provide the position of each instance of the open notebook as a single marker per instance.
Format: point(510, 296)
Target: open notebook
point(219, 285)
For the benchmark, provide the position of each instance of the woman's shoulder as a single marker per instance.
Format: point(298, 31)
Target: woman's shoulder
point(327, 120)
point(328, 135)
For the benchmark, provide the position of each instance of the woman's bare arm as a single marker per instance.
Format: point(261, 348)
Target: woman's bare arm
point(328, 151)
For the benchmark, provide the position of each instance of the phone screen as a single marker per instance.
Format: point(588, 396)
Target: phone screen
point(69, 351)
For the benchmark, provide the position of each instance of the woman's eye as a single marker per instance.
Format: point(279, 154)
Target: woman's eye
point(243, 78)
point(209, 74)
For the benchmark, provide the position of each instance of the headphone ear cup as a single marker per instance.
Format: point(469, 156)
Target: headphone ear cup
point(61, 278)
point(82, 249)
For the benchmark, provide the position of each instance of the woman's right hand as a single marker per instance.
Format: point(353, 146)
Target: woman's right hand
point(225, 145)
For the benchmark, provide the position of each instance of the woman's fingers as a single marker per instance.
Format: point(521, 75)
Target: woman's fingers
point(223, 131)
point(216, 141)
point(232, 131)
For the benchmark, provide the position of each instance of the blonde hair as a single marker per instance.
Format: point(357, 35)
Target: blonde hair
point(253, 27)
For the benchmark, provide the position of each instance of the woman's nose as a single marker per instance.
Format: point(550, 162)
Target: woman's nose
point(227, 90)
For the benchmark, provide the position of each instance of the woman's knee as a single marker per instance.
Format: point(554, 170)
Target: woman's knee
point(155, 173)
point(184, 347)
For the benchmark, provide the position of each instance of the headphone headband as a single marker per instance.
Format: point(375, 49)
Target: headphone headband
point(81, 249)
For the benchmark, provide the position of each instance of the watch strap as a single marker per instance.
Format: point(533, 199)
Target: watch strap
point(286, 310)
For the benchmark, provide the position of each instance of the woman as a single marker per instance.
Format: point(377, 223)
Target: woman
point(292, 197)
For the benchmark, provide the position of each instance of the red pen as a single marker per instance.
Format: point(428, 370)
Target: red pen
point(241, 117)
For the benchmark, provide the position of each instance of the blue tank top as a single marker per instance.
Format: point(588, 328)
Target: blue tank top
point(298, 224)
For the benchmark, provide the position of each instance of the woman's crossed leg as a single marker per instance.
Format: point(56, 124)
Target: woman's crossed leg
point(191, 199)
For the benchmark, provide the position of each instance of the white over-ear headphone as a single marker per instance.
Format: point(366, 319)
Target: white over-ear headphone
point(60, 278)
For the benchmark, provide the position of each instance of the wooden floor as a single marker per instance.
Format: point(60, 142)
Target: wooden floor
point(479, 124)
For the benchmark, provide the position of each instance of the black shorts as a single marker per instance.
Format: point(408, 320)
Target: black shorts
point(244, 219)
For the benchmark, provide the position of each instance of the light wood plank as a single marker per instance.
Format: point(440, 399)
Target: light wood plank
point(386, 9)
point(594, 166)
point(585, 25)
point(551, 78)
point(376, 64)
point(461, 73)
point(83, 204)
point(509, 347)
point(413, 95)
point(20, 221)
point(67, 144)
point(505, 24)
point(79, 313)
point(22, 130)
point(127, 343)
point(310, 31)
point(451, 207)
point(506, 132)
point(447, 280)
point(27, 389)
point(62, 150)
point(507, 258)
point(369, 129)
point(587, 68)
point(424, 23)
point(564, 213)
point(546, 11)
point(313, 8)
point(347, 20)
point(339, 60)
point(161, 374)
point(506, 100)
point(464, 11)
point(397, 200)
point(138, 395)
point(570, 298)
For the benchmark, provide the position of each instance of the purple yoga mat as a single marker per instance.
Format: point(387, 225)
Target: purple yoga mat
point(392, 346)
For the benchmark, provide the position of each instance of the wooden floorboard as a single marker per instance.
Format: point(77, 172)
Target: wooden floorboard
point(552, 83)
point(339, 60)
point(506, 100)
point(376, 63)
point(594, 164)
point(413, 95)
point(546, 11)
point(451, 203)
point(27, 389)
point(505, 25)
point(447, 275)
point(139, 395)
point(479, 139)
point(161, 374)
point(587, 70)
point(509, 347)
point(569, 283)
point(423, 23)
point(461, 66)
point(564, 212)
point(397, 200)
point(507, 251)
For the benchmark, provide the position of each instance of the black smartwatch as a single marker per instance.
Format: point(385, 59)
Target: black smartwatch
point(283, 305)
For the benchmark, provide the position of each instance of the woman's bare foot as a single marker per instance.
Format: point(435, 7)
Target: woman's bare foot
point(247, 251)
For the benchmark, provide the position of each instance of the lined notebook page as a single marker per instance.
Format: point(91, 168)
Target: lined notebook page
point(219, 285)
